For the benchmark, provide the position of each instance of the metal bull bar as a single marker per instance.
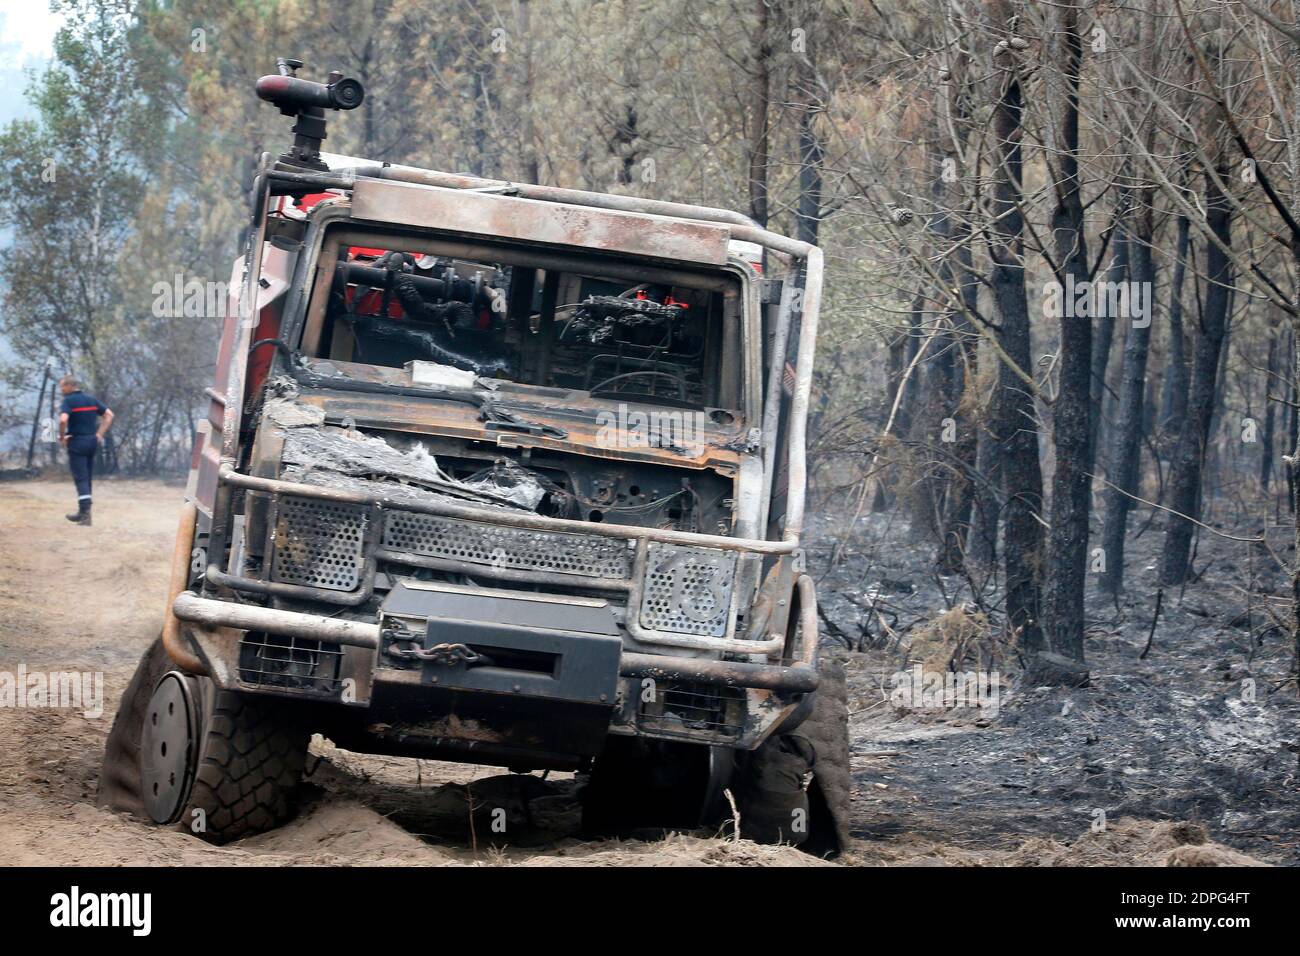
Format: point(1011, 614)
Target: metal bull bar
point(767, 646)
point(531, 522)
point(210, 613)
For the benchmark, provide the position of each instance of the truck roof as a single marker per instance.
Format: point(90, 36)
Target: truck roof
point(410, 195)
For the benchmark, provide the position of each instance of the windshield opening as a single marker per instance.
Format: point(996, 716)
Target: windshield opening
point(667, 337)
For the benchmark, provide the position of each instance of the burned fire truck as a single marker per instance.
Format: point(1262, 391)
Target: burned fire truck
point(496, 473)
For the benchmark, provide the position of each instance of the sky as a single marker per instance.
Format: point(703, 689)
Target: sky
point(26, 39)
point(26, 36)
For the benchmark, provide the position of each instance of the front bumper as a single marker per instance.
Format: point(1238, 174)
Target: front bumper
point(211, 615)
point(540, 677)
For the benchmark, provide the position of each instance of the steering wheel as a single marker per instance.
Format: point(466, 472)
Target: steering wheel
point(676, 380)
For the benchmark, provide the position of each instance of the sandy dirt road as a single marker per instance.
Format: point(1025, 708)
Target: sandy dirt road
point(84, 600)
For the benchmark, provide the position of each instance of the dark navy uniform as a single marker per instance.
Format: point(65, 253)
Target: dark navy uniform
point(83, 413)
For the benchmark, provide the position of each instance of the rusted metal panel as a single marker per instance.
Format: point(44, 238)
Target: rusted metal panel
point(532, 220)
point(235, 479)
point(577, 414)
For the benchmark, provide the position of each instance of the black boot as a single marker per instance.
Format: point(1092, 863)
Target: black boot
point(83, 513)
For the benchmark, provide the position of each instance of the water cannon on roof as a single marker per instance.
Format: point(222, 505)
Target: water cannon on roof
point(307, 101)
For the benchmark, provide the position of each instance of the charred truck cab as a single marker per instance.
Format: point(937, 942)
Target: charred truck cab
point(495, 473)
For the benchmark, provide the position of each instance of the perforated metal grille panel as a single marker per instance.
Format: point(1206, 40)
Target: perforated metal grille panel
point(319, 543)
point(687, 590)
point(590, 556)
point(683, 708)
point(293, 662)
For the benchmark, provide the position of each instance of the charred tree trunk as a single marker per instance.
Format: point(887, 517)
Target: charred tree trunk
point(1189, 459)
point(808, 103)
point(908, 383)
point(532, 164)
point(1102, 341)
point(1014, 425)
point(1071, 425)
point(808, 212)
point(1293, 416)
point(955, 524)
point(1174, 398)
point(939, 387)
point(1270, 416)
point(762, 103)
point(882, 499)
point(982, 542)
point(961, 492)
point(1293, 460)
point(1122, 469)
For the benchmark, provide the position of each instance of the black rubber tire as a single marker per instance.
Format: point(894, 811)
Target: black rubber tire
point(250, 766)
point(251, 755)
point(774, 805)
point(119, 775)
point(830, 794)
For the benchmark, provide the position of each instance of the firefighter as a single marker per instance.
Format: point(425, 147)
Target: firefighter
point(83, 421)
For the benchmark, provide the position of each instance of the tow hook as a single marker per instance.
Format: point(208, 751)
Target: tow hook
point(447, 655)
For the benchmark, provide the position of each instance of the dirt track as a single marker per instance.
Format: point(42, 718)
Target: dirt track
point(89, 600)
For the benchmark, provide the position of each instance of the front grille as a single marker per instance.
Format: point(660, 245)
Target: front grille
point(687, 590)
point(294, 663)
point(319, 543)
point(558, 552)
point(684, 708)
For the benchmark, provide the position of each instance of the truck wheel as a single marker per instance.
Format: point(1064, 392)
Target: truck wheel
point(775, 806)
point(221, 764)
point(648, 785)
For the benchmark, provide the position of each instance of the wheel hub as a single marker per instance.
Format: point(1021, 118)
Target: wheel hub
point(166, 745)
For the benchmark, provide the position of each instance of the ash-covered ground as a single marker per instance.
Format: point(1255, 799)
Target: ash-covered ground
point(1204, 730)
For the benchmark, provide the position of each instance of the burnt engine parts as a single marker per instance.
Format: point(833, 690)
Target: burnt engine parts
point(603, 318)
point(450, 320)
